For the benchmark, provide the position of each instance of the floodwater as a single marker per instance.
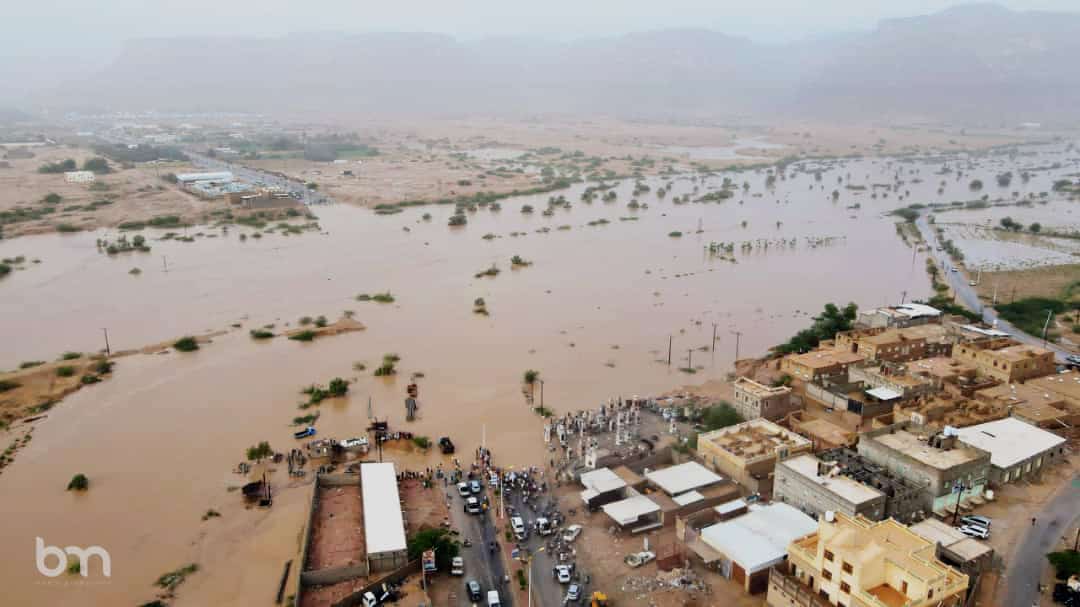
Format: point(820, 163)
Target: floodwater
point(593, 314)
point(742, 148)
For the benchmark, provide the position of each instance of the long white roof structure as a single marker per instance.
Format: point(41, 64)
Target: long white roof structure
point(384, 526)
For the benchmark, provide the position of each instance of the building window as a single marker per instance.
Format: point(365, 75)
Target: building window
point(828, 555)
point(903, 587)
point(930, 595)
point(825, 573)
point(845, 588)
point(846, 567)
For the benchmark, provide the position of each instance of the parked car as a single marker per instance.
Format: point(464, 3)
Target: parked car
point(472, 505)
point(475, 486)
point(463, 489)
point(570, 533)
point(457, 566)
point(563, 573)
point(976, 532)
point(639, 558)
point(543, 526)
point(472, 588)
point(975, 520)
point(493, 479)
point(573, 593)
point(306, 432)
point(493, 598)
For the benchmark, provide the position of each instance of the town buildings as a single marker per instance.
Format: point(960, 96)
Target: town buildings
point(79, 176)
point(754, 400)
point(819, 365)
point(1006, 360)
point(935, 461)
point(896, 345)
point(852, 561)
point(903, 315)
point(1018, 450)
point(747, 452)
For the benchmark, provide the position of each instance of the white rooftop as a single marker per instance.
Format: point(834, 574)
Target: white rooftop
point(688, 498)
point(729, 507)
point(915, 310)
point(683, 477)
point(625, 512)
point(884, 393)
point(193, 177)
point(384, 527)
point(1009, 440)
point(602, 480)
point(759, 538)
point(848, 489)
point(990, 332)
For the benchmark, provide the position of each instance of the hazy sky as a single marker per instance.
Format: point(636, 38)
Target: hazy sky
point(29, 27)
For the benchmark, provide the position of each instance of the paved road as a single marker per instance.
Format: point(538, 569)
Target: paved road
point(1026, 566)
point(546, 590)
point(968, 296)
point(481, 564)
point(258, 177)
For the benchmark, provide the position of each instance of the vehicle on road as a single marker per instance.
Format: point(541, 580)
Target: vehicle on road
point(457, 566)
point(306, 432)
point(563, 573)
point(573, 593)
point(953, 269)
point(463, 489)
point(518, 525)
point(472, 588)
point(472, 505)
point(1073, 359)
point(571, 533)
point(493, 598)
point(640, 558)
point(972, 283)
point(493, 479)
point(976, 532)
point(544, 527)
point(475, 486)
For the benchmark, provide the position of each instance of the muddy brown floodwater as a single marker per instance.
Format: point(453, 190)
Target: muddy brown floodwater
point(593, 314)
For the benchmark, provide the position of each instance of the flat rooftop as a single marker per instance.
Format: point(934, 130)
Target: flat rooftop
point(824, 358)
point(1066, 384)
point(629, 510)
point(753, 439)
point(950, 538)
point(918, 449)
point(940, 367)
point(383, 521)
point(1010, 441)
point(685, 477)
point(848, 489)
point(601, 480)
point(760, 390)
point(1019, 352)
point(759, 539)
point(827, 431)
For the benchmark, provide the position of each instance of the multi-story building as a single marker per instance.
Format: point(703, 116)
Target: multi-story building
point(946, 470)
point(820, 365)
point(747, 452)
point(896, 345)
point(1006, 360)
point(840, 480)
point(904, 315)
point(754, 400)
point(854, 562)
point(1065, 385)
point(941, 370)
point(894, 377)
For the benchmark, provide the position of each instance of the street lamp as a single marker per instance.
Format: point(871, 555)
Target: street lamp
point(1046, 325)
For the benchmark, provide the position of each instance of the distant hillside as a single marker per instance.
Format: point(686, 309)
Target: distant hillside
point(977, 61)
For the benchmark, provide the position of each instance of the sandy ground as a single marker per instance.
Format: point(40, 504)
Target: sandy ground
point(137, 193)
point(1036, 282)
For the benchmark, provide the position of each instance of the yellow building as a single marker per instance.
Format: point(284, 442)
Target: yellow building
point(853, 562)
point(747, 453)
point(896, 345)
point(1006, 360)
point(820, 364)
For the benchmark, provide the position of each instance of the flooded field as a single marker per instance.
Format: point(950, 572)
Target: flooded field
point(742, 148)
point(593, 313)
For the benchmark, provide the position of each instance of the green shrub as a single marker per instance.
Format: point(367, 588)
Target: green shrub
point(103, 366)
point(65, 371)
point(71, 355)
point(186, 344)
point(422, 442)
point(383, 297)
point(303, 336)
point(6, 385)
point(52, 198)
point(261, 334)
point(79, 482)
point(531, 376)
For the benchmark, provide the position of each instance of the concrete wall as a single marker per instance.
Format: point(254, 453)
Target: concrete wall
point(815, 499)
point(333, 575)
point(395, 577)
point(1027, 469)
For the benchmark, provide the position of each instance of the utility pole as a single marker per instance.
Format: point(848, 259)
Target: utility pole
point(690, 358)
point(541, 394)
point(165, 263)
point(738, 336)
point(107, 351)
point(714, 337)
point(1046, 325)
point(903, 297)
point(669, 350)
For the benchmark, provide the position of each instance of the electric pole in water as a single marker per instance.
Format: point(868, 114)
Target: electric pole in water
point(690, 358)
point(714, 337)
point(165, 263)
point(106, 332)
point(738, 336)
point(669, 350)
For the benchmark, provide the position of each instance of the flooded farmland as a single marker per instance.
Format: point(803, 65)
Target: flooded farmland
point(607, 286)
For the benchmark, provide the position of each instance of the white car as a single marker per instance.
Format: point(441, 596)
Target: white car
point(457, 566)
point(975, 520)
point(493, 479)
point(563, 573)
point(472, 505)
point(518, 525)
point(976, 532)
point(463, 489)
point(570, 533)
point(573, 593)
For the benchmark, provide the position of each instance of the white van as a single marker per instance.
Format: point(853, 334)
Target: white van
point(493, 598)
point(518, 525)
